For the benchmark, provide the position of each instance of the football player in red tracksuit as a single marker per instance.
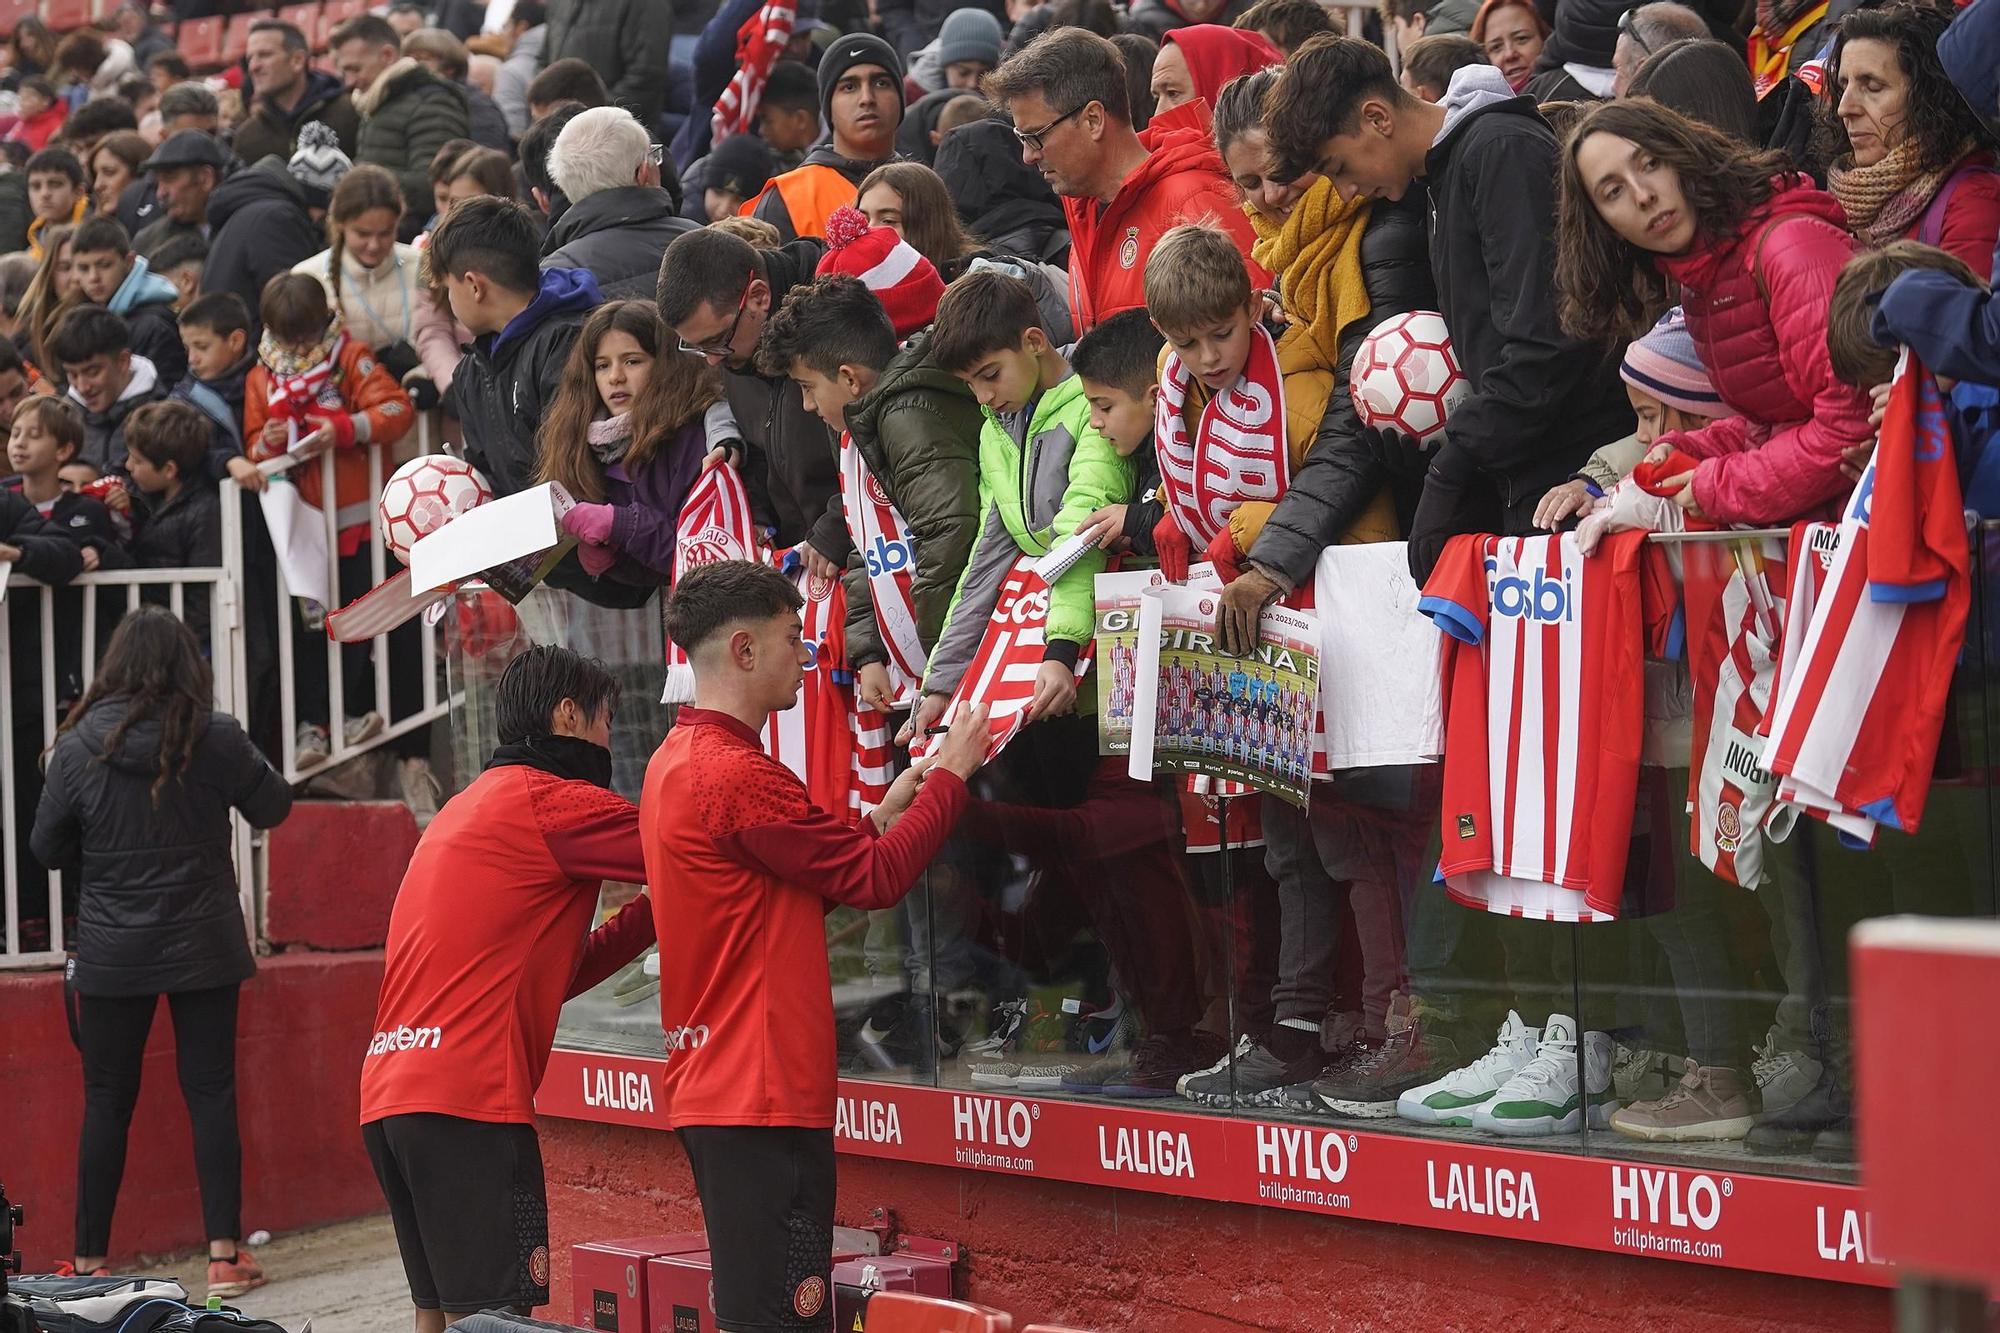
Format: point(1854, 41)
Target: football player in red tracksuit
point(490, 934)
point(746, 868)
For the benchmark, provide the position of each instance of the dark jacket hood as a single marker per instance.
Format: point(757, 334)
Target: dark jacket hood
point(406, 76)
point(1475, 91)
point(995, 191)
point(563, 291)
point(266, 181)
point(909, 371)
point(791, 265)
point(626, 206)
point(138, 750)
point(913, 136)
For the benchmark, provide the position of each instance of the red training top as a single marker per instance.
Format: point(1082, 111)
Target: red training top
point(745, 866)
point(490, 934)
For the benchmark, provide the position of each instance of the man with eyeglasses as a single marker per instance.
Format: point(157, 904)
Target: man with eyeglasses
point(716, 292)
point(619, 218)
point(1121, 190)
point(861, 101)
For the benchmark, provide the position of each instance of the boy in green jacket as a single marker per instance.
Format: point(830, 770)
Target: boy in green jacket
point(1042, 471)
point(915, 429)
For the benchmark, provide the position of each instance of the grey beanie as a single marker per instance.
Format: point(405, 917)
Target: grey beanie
point(969, 34)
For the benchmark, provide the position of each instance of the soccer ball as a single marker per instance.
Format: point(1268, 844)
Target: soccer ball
point(1406, 378)
point(425, 494)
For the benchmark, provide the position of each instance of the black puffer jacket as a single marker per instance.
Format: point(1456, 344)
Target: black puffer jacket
point(1001, 199)
point(794, 479)
point(159, 911)
point(407, 114)
point(258, 228)
point(506, 381)
point(619, 235)
point(625, 41)
point(1349, 464)
point(1541, 401)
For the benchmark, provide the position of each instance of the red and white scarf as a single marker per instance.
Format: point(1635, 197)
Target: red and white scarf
point(759, 44)
point(1002, 673)
point(1239, 452)
point(814, 737)
point(890, 558)
point(303, 384)
point(714, 524)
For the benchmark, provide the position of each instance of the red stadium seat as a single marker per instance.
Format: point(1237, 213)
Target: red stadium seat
point(902, 1312)
point(62, 15)
point(100, 12)
point(334, 13)
point(305, 18)
point(200, 42)
point(12, 12)
point(1052, 1328)
point(236, 37)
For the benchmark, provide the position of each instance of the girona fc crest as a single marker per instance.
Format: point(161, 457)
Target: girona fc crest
point(706, 547)
point(1728, 830)
point(809, 1297)
point(875, 491)
point(818, 587)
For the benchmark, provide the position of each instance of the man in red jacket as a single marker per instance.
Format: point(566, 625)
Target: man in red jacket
point(746, 868)
point(490, 934)
point(1121, 190)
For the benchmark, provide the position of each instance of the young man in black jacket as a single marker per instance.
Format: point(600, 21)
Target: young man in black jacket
point(717, 292)
point(1541, 401)
point(523, 321)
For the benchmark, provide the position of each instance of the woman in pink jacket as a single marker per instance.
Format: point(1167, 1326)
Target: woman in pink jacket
point(1653, 203)
point(1918, 165)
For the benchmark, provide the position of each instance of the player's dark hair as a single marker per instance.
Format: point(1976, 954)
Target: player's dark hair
point(1319, 96)
point(154, 664)
point(498, 238)
point(705, 266)
point(982, 313)
point(1123, 352)
point(534, 685)
point(370, 28)
point(793, 86)
point(221, 313)
point(170, 431)
point(832, 321)
point(294, 308)
point(709, 598)
point(100, 233)
point(88, 331)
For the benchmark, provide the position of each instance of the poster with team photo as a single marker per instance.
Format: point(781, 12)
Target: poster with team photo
point(1118, 597)
point(1198, 710)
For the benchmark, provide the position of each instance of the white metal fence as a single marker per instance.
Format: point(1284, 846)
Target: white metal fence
point(63, 626)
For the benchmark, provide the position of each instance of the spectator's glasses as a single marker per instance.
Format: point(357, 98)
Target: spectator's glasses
point(1033, 138)
point(656, 155)
point(720, 346)
point(1627, 28)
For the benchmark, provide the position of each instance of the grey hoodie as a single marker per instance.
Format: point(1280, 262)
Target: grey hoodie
point(1472, 87)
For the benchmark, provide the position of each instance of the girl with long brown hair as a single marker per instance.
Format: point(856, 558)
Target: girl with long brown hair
point(626, 437)
point(1652, 204)
point(376, 281)
point(51, 293)
point(141, 782)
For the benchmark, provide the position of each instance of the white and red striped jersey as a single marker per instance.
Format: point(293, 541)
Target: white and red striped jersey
point(815, 737)
point(1733, 593)
point(1861, 701)
point(1544, 715)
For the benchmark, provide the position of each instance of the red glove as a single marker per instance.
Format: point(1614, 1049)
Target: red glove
point(1648, 476)
point(1174, 548)
point(338, 425)
point(1222, 554)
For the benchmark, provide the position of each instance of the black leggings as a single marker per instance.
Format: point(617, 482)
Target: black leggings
point(111, 1033)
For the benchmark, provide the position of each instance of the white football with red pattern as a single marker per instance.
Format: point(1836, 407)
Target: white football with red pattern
point(425, 494)
point(1406, 378)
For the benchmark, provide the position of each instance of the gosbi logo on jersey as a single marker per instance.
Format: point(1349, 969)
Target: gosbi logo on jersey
point(886, 557)
point(1544, 599)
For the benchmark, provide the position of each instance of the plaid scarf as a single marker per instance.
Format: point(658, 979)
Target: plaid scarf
point(1885, 200)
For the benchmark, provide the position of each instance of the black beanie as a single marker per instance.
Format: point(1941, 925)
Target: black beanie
point(847, 51)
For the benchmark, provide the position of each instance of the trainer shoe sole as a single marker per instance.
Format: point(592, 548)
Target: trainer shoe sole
point(1460, 1116)
point(1357, 1110)
point(1707, 1131)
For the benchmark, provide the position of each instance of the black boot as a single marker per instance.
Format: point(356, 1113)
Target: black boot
point(1822, 1121)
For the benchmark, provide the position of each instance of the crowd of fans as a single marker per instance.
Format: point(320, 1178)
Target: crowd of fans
point(617, 243)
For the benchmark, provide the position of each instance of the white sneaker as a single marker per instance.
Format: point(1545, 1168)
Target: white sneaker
point(358, 729)
point(1453, 1099)
point(420, 789)
point(1783, 1074)
point(309, 746)
point(1543, 1098)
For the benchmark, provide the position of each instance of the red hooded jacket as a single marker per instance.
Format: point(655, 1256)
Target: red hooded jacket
point(1757, 303)
point(1216, 55)
point(1182, 180)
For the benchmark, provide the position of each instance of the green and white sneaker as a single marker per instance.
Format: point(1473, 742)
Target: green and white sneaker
point(1543, 1097)
point(1451, 1100)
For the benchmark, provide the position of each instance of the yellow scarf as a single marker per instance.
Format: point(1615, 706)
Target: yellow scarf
point(1316, 257)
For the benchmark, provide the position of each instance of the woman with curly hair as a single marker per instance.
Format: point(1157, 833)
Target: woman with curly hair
point(1652, 203)
point(1918, 164)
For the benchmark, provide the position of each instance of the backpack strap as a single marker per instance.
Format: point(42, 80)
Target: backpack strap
point(1931, 229)
point(1757, 259)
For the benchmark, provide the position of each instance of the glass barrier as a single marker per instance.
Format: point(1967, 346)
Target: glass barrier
point(1086, 935)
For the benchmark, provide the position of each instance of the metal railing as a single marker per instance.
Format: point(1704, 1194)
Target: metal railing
point(69, 624)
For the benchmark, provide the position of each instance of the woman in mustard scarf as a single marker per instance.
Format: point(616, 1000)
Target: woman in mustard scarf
point(1918, 165)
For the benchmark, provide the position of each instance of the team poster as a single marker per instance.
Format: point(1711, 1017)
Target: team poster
point(1118, 596)
point(1198, 710)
